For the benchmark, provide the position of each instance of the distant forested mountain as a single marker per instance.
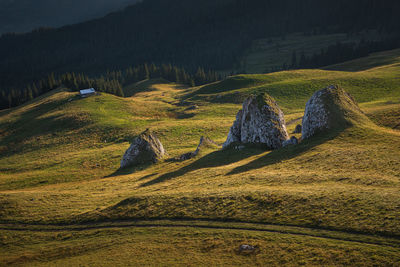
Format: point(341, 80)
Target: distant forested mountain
point(188, 33)
point(26, 15)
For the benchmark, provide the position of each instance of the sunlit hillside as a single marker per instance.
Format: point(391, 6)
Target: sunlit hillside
point(331, 200)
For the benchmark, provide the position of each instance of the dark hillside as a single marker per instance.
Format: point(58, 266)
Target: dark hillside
point(210, 34)
point(26, 15)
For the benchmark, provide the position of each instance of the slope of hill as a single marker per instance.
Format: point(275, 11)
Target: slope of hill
point(293, 88)
point(331, 200)
point(374, 60)
point(24, 16)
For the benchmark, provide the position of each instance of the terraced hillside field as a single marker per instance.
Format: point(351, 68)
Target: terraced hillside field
point(331, 200)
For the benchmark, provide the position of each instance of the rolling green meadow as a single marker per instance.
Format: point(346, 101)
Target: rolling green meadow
point(331, 200)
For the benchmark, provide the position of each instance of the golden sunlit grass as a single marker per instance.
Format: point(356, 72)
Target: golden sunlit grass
point(188, 246)
point(59, 159)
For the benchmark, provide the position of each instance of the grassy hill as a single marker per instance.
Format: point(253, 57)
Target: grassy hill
point(331, 200)
point(292, 89)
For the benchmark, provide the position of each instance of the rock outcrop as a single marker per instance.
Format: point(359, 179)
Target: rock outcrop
point(260, 121)
point(328, 109)
point(146, 148)
point(204, 143)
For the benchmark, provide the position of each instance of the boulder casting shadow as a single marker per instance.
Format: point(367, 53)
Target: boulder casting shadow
point(259, 121)
point(146, 148)
point(286, 153)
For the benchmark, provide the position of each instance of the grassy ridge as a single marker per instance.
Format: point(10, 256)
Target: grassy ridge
point(293, 88)
point(59, 157)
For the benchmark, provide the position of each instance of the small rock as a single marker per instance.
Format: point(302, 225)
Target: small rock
point(186, 156)
point(298, 129)
point(290, 142)
point(192, 108)
point(204, 142)
point(247, 249)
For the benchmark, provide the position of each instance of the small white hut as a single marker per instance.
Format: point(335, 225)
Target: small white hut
point(87, 92)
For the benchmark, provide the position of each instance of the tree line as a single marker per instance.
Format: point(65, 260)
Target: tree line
point(111, 82)
point(210, 34)
point(337, 53)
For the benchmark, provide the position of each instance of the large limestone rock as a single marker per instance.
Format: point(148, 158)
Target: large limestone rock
point(329, 109)
point(146, 148)
point(260, 121)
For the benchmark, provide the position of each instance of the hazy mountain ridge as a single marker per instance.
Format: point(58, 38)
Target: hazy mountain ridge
point(25, 15)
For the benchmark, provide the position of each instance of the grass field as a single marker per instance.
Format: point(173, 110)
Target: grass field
point(331, 200)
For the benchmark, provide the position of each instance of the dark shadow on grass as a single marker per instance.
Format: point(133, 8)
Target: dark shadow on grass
point(130, 170)
point(183, 115)
point(214, 159)
point(147, 176)
point(286, 153)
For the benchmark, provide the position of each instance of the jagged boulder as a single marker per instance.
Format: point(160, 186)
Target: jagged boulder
point(260, 121)
point(328, 109)
point(146, 148)
point(204, 143)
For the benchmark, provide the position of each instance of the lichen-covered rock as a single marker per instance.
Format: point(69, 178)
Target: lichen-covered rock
point(329, 108)
point(204, 143)
point(260, 121)
point(235, 133)
point(146, 148)
point(292, 141)
point(298, 129)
